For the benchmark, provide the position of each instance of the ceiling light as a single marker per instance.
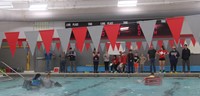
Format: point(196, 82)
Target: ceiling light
point(4, 5)
point(127, 3)
point(38, 7)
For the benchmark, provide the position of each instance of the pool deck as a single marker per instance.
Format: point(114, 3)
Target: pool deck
point(28, 74)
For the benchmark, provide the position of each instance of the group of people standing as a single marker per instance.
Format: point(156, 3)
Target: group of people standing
point(132, 62)
point(71, 57)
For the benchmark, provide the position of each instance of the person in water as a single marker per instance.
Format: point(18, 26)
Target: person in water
point(36, 81)
point(47, 82)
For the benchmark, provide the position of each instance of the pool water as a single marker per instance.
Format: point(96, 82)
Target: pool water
point(102, 86)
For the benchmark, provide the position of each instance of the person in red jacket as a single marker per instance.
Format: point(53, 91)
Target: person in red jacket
point(115, 63)
point(122, 60)
point(162, 53)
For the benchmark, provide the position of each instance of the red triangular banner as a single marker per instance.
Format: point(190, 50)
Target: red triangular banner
point(182, 42)
point(171, 42)
point(107, 46)
point(87, 45)
point(58, 45)
point(80, 35)
point(118, 45)
point(193, 41)
point(12, 38)
point(175, 25)
point(112, 33)
point(160, 43)
point(128, 45)
point(47, 36)
point(20, 43)
point(39, 45)
point(139, 44)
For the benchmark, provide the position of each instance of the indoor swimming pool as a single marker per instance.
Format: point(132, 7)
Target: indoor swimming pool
point(106, 86)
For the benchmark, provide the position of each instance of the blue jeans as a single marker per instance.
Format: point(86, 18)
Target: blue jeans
point(47, 65)
point(96, 64)
point(130, 67)
point(152, 66)
point(62, 66)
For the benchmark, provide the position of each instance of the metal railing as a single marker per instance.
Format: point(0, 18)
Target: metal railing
point(10, 78)
point(12, 69)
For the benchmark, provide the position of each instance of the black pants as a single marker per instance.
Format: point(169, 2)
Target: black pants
point(173, 64)
point(188, 65)
point(106, 66)
point(62, 66)
point(114, 67)
point(96, 64)
point(130, 67)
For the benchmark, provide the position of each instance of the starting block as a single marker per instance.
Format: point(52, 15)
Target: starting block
point(153, 81)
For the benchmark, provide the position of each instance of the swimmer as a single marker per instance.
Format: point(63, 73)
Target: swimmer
point(36, 81)
point(47, 82)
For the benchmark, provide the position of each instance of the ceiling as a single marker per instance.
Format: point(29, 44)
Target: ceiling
point(98, 10)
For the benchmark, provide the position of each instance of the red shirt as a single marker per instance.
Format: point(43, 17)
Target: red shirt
point(115, 60)
point(123, 59)
point(162, 53)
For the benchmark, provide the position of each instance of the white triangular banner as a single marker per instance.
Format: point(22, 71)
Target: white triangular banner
point(186, 28)
point(133, 45)
point(144, 45)
point(155, 44)
point(188, 40)
point(53, 46)
point(31, 37)
point(148, 29)
point(123, 46)
point(95, 34)
point(92, 46)
point(24, 43)
point(73, 46)
point(166, 42)
point(42, 46)
point(194, 22)
point(64, 35)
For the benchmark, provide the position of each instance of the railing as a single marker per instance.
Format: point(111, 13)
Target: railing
point(6, 75)
point(12, 69)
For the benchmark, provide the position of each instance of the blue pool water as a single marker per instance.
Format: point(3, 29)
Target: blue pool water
point(102, 86)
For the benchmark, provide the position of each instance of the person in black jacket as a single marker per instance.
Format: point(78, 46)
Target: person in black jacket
point(130, 59)
point(152, 57)
point(173, 58)
point(185, 57)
